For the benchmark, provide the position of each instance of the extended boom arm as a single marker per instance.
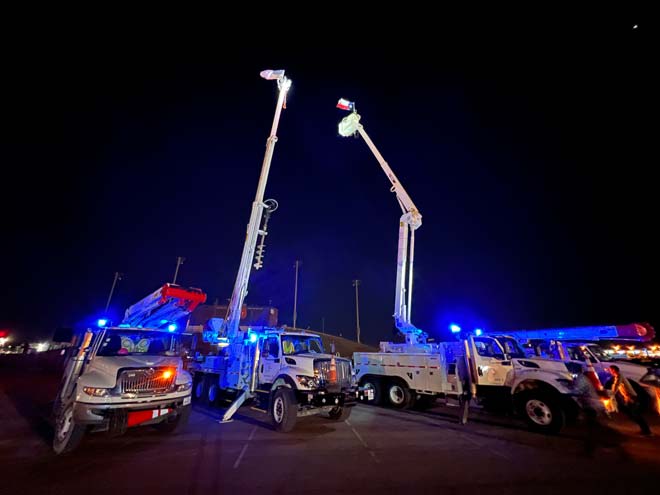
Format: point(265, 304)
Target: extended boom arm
point(230, 328)
point(410, 220)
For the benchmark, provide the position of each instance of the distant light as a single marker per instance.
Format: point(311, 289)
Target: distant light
point(102, 322)
point(253, 337)
point(171, 327)
point(635, 26)
point(454, 328)
point(478, 332)
point(42, 346)
point(162, 322)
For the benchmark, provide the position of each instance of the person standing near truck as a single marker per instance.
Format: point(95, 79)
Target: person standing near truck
point(627, 400)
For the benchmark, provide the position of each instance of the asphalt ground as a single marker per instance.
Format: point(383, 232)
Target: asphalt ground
point(377, 450)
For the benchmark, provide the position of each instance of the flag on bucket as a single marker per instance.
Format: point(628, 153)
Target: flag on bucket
point(345, 104)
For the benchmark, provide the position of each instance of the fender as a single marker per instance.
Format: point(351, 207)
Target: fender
point(283, 381)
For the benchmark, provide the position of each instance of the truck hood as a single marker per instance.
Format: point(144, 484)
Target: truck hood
point(631, 371)
point(550, 365)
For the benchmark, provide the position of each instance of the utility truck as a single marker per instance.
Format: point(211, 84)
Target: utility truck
point(493, 371)
point(576, 345)
point(285, 374)
point(131, 374)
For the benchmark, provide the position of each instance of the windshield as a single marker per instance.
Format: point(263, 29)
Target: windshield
point(298, 344)
point(599, 352)
point(511, 347)
point(131, 343)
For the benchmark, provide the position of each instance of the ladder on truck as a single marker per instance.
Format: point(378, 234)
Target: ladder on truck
point(163, 307)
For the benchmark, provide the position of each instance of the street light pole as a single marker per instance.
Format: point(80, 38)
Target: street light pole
point(356, 284)
point(179, 262)
point(112, 289)
point(295, 296)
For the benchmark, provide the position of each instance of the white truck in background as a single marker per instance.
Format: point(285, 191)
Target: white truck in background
point(574, 345)
point(127, 375)
point(286, 374)
point(493, 371)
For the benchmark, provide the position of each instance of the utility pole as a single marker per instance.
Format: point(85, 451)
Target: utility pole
point(295, 296)
point(112, 289)
point(356, 284)
point(179, 262)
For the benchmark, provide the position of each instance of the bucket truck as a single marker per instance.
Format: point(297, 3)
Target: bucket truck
point(495, 372)
point(131, 374)
point(576, 345)
point(285, 374)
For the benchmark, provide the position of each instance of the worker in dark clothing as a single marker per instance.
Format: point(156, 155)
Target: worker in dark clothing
point(627, 400)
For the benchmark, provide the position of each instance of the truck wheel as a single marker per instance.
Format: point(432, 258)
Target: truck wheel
point(541, 411)
point(398, 395)
point(284, 410)
point(213, 393)
point(199, 394)
point(340, 413)
point(68, 434)
point(175, 423)
point(373, 384)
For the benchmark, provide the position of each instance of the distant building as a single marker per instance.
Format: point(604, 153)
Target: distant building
point(266, 316)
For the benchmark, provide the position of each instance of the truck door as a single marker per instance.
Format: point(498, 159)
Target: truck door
point(269, 367)
point(490, 360)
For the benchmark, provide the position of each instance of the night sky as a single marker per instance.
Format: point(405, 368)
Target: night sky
point(527, 147)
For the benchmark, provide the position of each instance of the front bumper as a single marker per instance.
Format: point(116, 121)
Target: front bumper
point(322, 398)
point(85, 413)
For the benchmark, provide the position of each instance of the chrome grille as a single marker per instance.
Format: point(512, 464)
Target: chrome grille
point(145, 381)
point(322, 371)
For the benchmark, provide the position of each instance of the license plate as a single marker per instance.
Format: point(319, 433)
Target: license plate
point(186, 400)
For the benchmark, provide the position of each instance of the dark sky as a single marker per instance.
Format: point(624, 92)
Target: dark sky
point(526, 145)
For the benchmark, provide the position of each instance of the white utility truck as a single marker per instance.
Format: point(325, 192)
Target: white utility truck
point(286, 374)
point(494, 372)
point(574, 345)
point(132, 374)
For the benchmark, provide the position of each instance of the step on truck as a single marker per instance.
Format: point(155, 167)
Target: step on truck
point(131, 374)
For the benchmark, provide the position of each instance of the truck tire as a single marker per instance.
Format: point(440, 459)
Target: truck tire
point(213, 393)
point(373, 384)
point(67, 435)
point(283, 410)
point(199, 388)
point(542, 411)
point(175, 423)
point(340, 413)
point(398, 395)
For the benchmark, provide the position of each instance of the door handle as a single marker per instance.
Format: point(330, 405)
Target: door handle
point(262, 368)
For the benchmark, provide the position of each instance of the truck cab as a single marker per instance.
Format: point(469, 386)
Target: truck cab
point(120, 377)
point(292, 376)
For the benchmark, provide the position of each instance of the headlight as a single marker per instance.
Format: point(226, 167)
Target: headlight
point(307, 381)
point(96, 392)
point(184, 386)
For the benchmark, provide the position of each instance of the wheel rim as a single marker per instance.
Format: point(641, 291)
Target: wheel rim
point(539, 412)
point(199, 390)
point(278, 410)
point(397, 395)
point(213, 392)
point(64, 424)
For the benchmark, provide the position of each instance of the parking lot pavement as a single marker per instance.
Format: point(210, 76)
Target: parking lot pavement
point(376, 450)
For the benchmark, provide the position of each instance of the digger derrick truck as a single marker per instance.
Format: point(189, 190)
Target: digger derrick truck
point(493, 372)
point(127, 375)
point(285, 374)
